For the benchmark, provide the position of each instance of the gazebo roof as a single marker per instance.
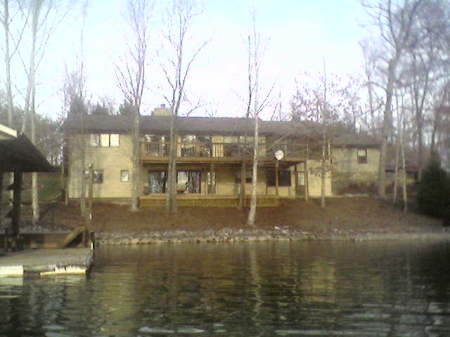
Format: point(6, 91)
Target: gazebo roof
point(20, 154)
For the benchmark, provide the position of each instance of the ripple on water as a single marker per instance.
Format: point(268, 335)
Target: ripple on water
point(56, 334)
point(151, 330)
point(328, 333)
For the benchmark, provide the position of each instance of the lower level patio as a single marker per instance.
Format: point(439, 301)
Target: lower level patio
point(211, 200)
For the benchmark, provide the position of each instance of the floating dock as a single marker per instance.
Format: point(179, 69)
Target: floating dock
point(46, 262)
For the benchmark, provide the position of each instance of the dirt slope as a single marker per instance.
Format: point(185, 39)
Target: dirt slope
point(356, 215)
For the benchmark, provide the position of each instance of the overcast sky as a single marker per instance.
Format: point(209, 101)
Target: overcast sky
point(300, 36)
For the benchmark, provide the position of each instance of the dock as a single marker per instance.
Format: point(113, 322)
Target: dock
point(46, 262)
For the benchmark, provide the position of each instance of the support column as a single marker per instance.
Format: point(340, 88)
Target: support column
point(17, 199)
point(277, 173)
point(1, 195)
point(242, 189)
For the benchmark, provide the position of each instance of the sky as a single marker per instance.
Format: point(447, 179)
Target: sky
point(298, 36)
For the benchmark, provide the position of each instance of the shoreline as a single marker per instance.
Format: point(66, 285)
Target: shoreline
point(254, 235)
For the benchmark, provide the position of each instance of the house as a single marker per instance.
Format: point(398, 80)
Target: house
point(214, 159)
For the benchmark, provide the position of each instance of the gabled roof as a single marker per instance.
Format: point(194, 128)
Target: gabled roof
point(215, 125)
point(20, 154)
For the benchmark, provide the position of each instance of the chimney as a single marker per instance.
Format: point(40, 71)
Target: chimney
point(161, 111)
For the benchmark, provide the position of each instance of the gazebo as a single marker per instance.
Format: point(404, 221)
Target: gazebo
point(18, 155)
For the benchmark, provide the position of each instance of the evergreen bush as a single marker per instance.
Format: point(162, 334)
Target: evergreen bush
point(433, 194)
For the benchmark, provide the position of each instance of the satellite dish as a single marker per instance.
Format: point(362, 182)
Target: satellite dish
point(279, 155)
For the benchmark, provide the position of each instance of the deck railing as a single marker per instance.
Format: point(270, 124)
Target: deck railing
point(220, 149)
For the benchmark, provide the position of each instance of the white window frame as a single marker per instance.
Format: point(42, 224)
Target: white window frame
point(124, 176)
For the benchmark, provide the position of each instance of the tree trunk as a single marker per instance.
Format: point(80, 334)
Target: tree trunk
point(397, 158)
point(9, 96)
point(135, 176)
point(242, 187)
point(386, 130)
point(88, 215)
point(306, 174)
point(32, 79)
point(82, 171)
point(172, 169)
point(402, 148)
point(252, 213)
point(322, 173)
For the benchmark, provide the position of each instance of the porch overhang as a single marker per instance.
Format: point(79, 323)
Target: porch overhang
point(263, 162)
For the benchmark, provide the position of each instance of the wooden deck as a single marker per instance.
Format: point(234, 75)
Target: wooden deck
point(197, 200)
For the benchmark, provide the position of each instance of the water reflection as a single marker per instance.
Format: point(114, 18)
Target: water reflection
point(261, 289)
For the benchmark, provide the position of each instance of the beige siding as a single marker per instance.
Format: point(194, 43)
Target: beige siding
point(111, 160)
point(225, 181)
point(345, 160)
point(347, 171)
point(315, 179)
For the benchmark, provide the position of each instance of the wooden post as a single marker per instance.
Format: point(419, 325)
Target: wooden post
point(277, 171)
point(17, 199)
point(242, 189)
point(1, 195)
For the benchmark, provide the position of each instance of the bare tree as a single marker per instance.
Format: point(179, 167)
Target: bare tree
point(44, 18)
point(395, 23)
point(176, 69)
point(74, 95)
point(11, 47)
point(130, 77)
point(30, 104)
point(255, 105)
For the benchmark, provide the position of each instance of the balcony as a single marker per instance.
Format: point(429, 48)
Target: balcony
point(211, 151)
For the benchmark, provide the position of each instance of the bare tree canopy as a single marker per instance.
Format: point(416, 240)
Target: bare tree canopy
point(176, 69)
point(131, 79)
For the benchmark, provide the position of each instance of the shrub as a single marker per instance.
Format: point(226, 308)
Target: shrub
point(433, 194)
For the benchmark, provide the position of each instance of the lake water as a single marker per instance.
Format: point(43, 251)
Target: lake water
point(258, 289)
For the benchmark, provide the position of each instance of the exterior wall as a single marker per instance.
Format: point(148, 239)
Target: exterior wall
point(347, 171)
point(226, 182)
point(111, 160)
point(315, 180)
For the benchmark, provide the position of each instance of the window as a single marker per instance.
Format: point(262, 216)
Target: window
point(95, 140)
point(124, 176)
point(157, 181)
point(362, 156)
point(114, 140)
point(284, 177)
point(188, 181)
point(98, 177)
point(104, 140)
